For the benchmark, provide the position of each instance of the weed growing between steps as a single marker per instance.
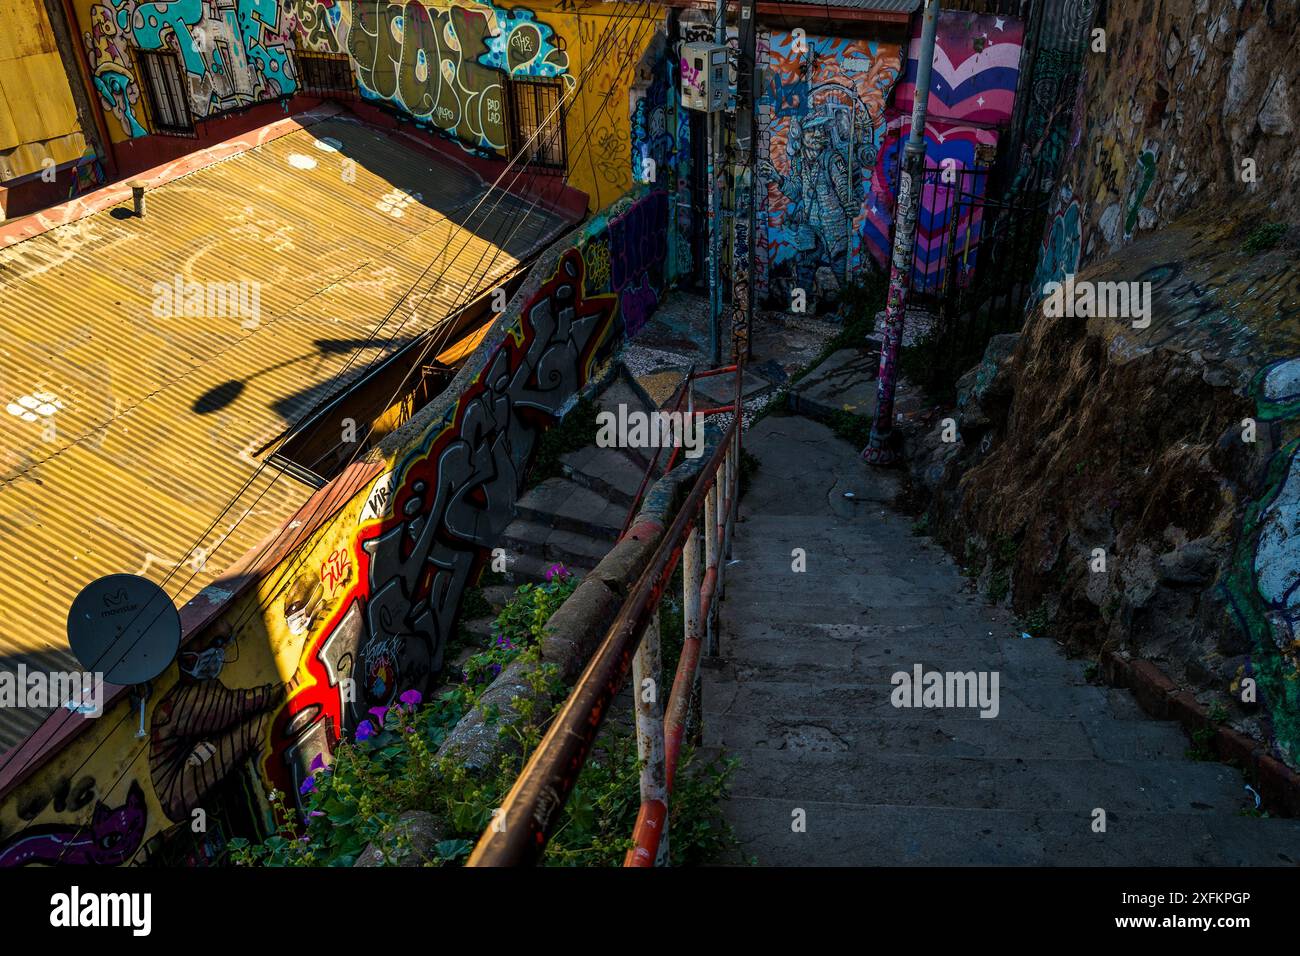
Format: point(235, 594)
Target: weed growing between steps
point(392, 767)
point(572, 433)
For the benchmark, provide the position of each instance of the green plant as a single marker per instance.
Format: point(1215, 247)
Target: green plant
point(999, 585)
point(1037, 620)
point(392, 767)
point(1218, 713)
point(1091, 671)
point(854, 429)
point(1200, 749)
point(573, 432)
point(921, 525)
point(1264, 237)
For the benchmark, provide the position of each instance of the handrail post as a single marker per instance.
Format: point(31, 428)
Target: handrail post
point(710, 522)
point(646, 667)
point(694, 627)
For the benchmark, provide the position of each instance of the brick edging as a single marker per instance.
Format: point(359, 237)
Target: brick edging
point(1159, 696)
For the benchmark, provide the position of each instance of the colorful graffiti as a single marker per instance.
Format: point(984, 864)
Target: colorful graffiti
point(111, 838)
point(972, 97)
point(976, 69)
point(430, 520)
point(638, 250)
point(230, 55)
point(445, 67)
point(826, 103)
point(1263, 583)
point(1062, 243)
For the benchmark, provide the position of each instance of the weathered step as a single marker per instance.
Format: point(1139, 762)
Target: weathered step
point(1026, 738)
point(812, 702)
point(843, 835)
point(561, 503)
point(530, 569)
point(557, 544)
point(604, 470)
point(1010, 783)
point(621, 393)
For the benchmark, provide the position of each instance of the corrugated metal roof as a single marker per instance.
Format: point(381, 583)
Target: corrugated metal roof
point(123, 434)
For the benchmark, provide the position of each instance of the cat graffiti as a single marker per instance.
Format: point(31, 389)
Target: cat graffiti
point(110, 838)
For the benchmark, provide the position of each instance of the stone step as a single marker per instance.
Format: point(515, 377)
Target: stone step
point(1026, 738)
point(561, 503)
point(1004, 783)
point(529, 569)
point(845, 835)
point(812, 702)
point(606, 471)
point(499, 595)
point(556, 544)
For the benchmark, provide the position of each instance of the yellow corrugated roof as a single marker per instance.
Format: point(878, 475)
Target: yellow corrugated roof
point(123, 435)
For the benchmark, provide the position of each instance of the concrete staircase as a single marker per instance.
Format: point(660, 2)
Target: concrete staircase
point(575, 519)
point(802, 695)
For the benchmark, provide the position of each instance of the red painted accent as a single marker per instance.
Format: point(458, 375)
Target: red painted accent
point(647, 833)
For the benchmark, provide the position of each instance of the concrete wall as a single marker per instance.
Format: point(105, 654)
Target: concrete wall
point(440, 65)
point(368, 593)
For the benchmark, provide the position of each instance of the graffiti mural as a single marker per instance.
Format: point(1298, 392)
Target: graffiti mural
point(638, 249)
point(445, 68)
point(111, 838)
point(230, 54)
point(1263, 583)
point(825, 104)
point(972, 98)
point(1062, 243)
point(428, 523)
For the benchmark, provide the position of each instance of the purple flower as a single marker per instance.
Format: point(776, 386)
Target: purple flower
point(319, 763)
point(308, 786)
point(556, 571)
point(411, 698)
point(315, 813)
point(380, 713)
point(365, 730)
point(496, 669)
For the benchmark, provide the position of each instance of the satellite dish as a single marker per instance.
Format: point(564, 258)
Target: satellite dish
point(125, 627)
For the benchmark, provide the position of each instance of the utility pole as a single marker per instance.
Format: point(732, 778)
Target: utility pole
point(742, 226)
point(714, 119)
point(881, 448)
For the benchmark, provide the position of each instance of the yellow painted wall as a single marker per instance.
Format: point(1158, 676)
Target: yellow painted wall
point(38, 118)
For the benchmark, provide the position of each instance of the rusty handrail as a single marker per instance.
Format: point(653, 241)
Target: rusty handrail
point(518, 833)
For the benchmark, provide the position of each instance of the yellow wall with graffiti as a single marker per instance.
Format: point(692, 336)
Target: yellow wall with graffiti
point(38, 118)
point(446, 65)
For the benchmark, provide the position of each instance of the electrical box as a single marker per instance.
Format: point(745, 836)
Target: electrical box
point(704, 77)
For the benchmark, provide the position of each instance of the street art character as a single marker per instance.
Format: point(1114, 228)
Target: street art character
point(110, 838)
point(202, 729)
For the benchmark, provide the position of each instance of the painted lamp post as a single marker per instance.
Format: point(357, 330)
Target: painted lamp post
point(881, 448)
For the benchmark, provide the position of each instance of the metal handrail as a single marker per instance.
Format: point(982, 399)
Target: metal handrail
point(520, 828)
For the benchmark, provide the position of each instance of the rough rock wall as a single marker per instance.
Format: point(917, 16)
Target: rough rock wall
point(1186, 91)
point(1170, 452)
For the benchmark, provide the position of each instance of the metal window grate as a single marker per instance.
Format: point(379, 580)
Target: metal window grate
point(166, 92)
point(536, 109)
point(324, 74)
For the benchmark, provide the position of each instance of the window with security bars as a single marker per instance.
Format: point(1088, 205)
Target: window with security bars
point(324, 74)
point(165, 91)
point(536, 109)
